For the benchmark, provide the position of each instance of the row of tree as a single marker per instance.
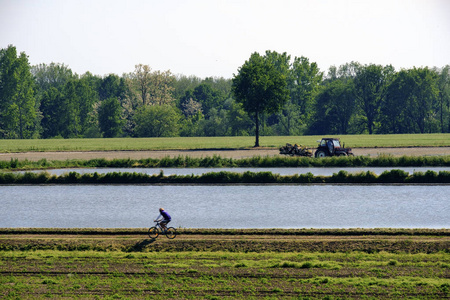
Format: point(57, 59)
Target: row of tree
point(271, 94)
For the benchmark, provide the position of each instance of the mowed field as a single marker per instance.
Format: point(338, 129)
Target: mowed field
point(226, 153)
point(215, 264)
point(225, 147)
point(202, 143)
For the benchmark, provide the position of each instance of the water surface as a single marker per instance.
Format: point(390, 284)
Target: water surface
point(255, 206)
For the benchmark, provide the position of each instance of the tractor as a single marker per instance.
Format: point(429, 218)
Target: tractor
point(332, 147)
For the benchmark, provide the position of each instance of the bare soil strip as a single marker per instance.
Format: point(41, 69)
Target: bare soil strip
point(233, 243)
point(235, 154)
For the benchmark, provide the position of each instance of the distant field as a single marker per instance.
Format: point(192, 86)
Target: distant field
point(178, 143)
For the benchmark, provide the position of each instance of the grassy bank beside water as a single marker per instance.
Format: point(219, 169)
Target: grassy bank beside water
point(219, 162)
point(342, 177)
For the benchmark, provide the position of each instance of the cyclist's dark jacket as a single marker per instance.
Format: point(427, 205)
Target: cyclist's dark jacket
point(166, 216)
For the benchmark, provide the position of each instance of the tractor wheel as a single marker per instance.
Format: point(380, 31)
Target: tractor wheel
point(321, 153)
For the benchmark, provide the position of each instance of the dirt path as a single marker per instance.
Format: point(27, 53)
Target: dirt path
point(236, 154)
point(216, 237)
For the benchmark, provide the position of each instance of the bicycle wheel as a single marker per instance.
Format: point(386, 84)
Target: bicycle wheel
point(171, 233)
point(153, 232)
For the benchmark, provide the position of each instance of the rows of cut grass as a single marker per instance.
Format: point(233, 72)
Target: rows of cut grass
point(177, 143)
point(223, 275)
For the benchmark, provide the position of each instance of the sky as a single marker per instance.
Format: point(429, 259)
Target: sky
point(213, 38)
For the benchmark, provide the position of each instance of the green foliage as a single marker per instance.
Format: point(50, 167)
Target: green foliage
point(260, 87)
point(371, 83)
point(157, 121)
point(66, 101)
point(412, 95)
point(304, 86)
point(110, 117)
point(279, 96)
point(208, 97)
point(335, 106)
point(18, 106)
point(51, 100)
point(111, 86)
point(393, 176)
point(214, 124)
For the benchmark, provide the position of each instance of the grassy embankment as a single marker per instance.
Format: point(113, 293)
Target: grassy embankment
point(218, 162)
point(233, 240)
point(342, 177)
point(115, 144)
point(100, 265)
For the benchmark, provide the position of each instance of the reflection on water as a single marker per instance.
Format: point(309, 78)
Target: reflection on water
point(260, 206)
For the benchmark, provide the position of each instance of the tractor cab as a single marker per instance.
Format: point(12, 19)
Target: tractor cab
point(331, 147)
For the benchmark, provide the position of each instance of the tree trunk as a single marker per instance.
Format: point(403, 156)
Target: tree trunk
point(370, 125)
point(442, 115)
point(448, 106)
point(257, 130)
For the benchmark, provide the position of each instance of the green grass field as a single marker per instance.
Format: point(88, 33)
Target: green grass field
point(223, 275)
point(225, 264)
point(115, 144)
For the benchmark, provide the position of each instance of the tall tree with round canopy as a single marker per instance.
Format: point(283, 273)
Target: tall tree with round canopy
point(260, 87)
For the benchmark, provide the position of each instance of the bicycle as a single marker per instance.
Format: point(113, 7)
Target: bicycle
point(155, 231)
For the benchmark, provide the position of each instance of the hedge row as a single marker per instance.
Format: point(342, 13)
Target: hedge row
point(218, 162)
point(343, 177)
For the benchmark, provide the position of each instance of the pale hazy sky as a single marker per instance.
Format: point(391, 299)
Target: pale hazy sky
point(214, 38)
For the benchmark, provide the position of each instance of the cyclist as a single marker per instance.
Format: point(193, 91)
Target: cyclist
point(165, 217)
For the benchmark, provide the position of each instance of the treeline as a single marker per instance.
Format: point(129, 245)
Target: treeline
point(51, 101)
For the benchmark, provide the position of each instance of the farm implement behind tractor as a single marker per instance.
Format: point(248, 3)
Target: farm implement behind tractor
point(326, 147)
point(296, 150)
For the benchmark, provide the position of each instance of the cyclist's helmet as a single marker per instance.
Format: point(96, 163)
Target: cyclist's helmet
point(161, 209)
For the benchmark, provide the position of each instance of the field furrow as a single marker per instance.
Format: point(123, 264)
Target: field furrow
point(38, 264)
